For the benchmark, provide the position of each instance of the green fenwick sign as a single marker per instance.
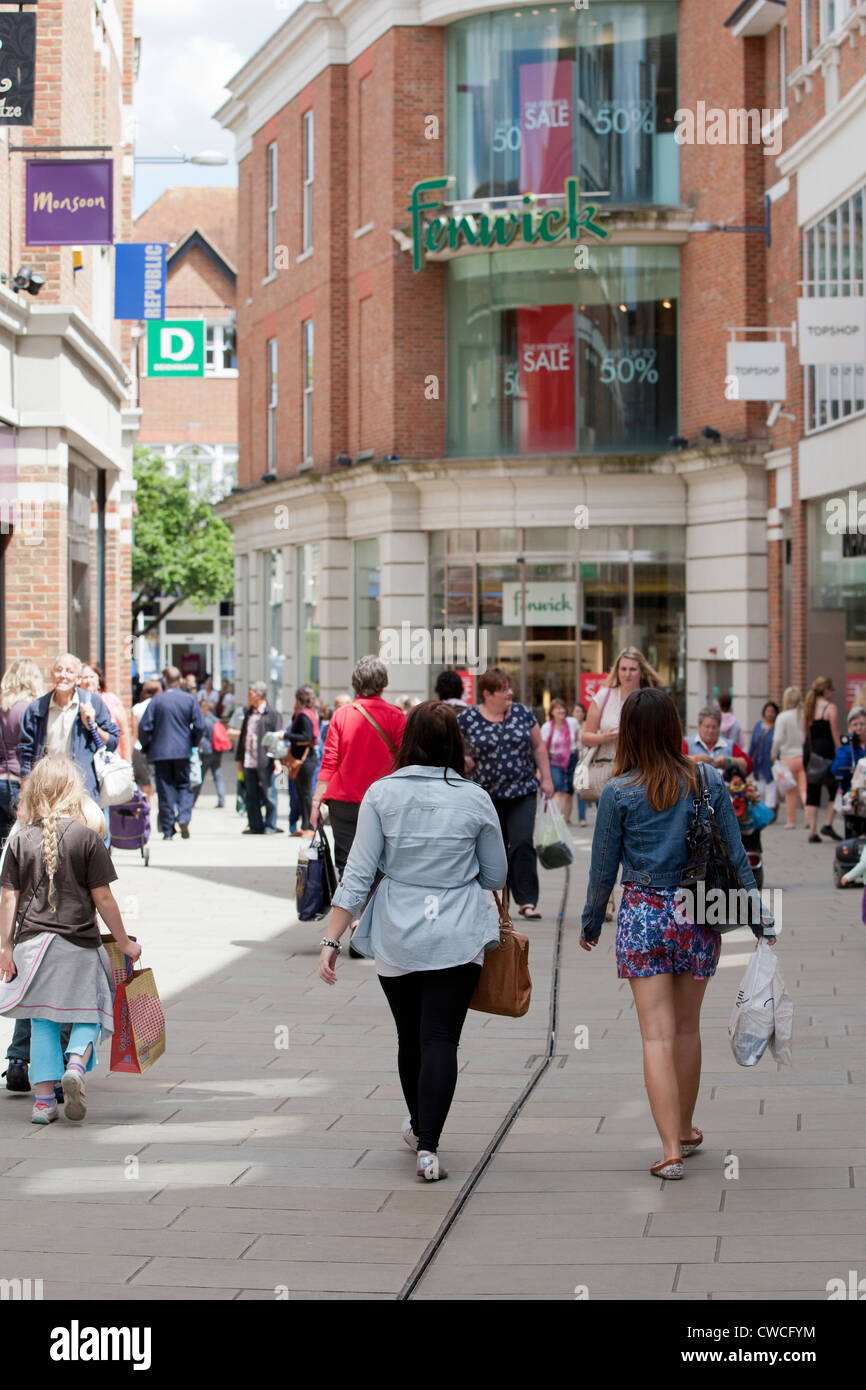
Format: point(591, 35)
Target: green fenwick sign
point(499, 228)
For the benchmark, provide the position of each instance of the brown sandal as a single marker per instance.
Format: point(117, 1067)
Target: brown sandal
point(691, 1146)
point(671, 1168)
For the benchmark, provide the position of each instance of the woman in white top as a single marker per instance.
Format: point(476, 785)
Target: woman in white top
point(631, 671)
point(788, 746)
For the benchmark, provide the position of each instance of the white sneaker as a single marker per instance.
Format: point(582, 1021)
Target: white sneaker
point(429, 1167)
point(75, 1095)
point(408, 1136)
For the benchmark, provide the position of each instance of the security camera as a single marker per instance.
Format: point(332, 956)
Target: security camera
point(775, 412)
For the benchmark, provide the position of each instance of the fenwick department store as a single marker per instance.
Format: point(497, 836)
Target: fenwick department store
point(489, 451)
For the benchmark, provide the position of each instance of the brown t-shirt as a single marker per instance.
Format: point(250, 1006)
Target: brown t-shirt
point(83, 863)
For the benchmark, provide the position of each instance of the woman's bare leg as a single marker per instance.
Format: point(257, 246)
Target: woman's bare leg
point(656, 1012)
point(688, 998)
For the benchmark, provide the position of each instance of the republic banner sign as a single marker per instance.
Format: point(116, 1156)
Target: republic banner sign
point(17, 68)
point(70, 202)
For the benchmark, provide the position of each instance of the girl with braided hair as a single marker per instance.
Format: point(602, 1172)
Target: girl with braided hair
point(56, 874)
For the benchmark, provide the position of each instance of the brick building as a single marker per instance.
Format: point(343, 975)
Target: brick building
point(455, 427)
point(67, 424)
point(195, 420)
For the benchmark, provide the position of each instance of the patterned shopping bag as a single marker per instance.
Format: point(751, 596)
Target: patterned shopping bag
point(139, 1025)
point(121, 963)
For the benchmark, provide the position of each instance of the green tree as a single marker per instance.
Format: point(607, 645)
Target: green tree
point(182, 551)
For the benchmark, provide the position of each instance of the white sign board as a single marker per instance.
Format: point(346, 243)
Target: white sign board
point(547, 605)
point(758, 370)
point(831, 330)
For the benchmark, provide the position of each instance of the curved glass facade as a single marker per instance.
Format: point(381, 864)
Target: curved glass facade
point(538, 94)
point(546, 359)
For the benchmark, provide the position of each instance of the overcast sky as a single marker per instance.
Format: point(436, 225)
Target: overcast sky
point(189, 49)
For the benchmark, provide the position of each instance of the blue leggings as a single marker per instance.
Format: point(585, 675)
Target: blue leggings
point(46, 1054)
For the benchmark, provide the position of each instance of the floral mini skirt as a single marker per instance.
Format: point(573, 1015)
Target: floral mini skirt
point(651, 941)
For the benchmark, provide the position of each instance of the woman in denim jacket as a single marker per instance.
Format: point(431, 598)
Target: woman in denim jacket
point(643, 815)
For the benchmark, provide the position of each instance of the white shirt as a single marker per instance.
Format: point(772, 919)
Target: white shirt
point(58, 732)
point(138, 711)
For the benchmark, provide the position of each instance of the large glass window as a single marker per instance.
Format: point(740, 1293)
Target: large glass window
point(535, 369)
point(833, 263)
point(78, 533)
point(220, 350)
point(538, 94)
point(309, 614)
point(272, 608)
point(367, 575)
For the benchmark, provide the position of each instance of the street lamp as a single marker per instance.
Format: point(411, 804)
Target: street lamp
point(211, 157)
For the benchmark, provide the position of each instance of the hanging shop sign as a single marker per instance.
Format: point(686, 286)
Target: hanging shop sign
point(17, 68)
point(758, 371)
point(70, 202)
point(590, 684)
point(139, 280)
point(547, 605)
point(831, 330)
point(497, 229)
point(176, 348)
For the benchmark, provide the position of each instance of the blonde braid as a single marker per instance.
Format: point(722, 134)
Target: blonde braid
point(49, 852)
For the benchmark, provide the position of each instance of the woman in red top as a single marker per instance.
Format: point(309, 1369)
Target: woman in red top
point(361, 746)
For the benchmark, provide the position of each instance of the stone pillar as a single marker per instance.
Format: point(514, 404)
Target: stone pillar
point(726, 584)
point(403, 599)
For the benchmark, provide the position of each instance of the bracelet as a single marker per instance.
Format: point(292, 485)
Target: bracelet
point(334, 945)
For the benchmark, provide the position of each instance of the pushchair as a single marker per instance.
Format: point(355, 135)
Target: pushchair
point(129, 825)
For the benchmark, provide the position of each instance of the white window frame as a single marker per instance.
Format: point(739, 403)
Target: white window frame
point(308, 134)
point(840, 10)
point(272, 398)
point(836, 234)
point(272, 171)
point(217, 345)
point(806, 30)
point(783, 66)
point(307, 359)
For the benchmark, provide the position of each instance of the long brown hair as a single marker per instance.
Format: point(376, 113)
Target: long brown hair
point(432, 738)
point(650, 745)
point(816, 692)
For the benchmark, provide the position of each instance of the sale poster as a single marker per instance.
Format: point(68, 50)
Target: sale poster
point(546, 135)
point(545, 360)
point(853, 681)
point(590, 683)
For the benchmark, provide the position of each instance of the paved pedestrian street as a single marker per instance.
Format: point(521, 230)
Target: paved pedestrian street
point(261, 1156)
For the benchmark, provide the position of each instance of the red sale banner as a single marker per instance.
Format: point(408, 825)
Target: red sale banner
point(468, 680)
point(546, 138)
point(853, 682)
point(589, 684)
point(545, 363)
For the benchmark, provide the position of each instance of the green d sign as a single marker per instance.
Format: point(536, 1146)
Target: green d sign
point(175, 348)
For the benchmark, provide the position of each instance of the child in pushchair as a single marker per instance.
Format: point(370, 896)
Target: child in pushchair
point(751, 815)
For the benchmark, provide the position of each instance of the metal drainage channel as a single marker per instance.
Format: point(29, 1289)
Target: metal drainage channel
point(490, 1152)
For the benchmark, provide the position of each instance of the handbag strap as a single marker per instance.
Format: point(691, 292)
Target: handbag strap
point(505, 923)
point(379, 730)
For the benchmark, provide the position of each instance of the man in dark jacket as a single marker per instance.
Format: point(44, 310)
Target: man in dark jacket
point(253, 761)
point(170, 728)
point(69, 722)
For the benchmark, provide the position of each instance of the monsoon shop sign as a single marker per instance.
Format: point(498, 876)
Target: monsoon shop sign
point(497, 229)
point(70, 202)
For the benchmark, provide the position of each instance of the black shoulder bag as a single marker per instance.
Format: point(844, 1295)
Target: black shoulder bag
point(709, 883)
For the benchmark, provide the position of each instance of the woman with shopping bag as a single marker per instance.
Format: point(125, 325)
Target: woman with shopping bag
point(57, 873)
point(434, 837)
point(666, 955)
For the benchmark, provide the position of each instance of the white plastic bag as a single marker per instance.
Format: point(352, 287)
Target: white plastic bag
point(763, 1013)
point(783, 777)
point(115, 777)
point(553, 843)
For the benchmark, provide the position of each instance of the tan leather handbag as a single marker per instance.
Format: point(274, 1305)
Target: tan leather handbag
point(504, 986)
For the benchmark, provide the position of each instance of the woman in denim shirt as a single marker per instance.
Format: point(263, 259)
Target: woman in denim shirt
point(433, 838)
point(643, 814)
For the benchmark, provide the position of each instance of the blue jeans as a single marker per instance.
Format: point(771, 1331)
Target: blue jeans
point(9, 794)
point(19, 1047)
point(294, 807)
point(212, 762)
point(174, 792)
point(46, 1052)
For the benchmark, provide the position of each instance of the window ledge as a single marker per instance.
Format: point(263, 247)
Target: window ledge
point(268, 278)
point(362, 231)
point(304, 256)
point(305, 466)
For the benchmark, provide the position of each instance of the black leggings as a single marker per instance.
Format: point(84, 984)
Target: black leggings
point(429, 1007)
